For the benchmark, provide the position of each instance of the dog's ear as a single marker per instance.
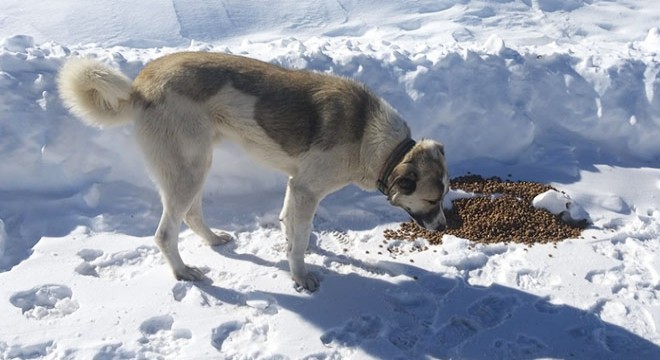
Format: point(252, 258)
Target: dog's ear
point(442, 149)
point(407, 183)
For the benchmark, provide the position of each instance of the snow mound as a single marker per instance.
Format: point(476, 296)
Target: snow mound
point(562, 205)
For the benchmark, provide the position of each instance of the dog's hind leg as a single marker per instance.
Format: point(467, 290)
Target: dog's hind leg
point(195, 220)
point(177, 196)
point(179, 159)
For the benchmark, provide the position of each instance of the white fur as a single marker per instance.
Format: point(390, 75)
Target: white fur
point(96, 93)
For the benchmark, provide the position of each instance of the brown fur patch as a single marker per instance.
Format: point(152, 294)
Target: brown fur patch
point(296, 108)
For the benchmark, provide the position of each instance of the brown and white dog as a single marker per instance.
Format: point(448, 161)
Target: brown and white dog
point(323, 131)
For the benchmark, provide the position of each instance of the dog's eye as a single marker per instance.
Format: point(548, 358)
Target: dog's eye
point(433, 202)
point(406, 186)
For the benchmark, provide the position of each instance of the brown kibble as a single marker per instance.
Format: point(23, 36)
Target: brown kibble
point(507, 217)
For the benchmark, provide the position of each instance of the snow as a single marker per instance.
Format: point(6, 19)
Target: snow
point(565, 92)
point(561, 205)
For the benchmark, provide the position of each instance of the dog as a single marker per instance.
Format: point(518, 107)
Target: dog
point(323, 131)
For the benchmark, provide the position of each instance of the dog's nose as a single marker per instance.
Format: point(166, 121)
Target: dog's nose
point(439, 227)
point(427, 226)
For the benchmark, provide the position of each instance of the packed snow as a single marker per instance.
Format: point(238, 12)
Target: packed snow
point(565, 92)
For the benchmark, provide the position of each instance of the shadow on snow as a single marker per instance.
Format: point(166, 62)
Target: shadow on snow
point(419, 313)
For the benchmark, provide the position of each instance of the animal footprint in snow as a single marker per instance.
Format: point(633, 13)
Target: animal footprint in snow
point(488, 312)
point(155, 324)
point(114, 351)
point(32, 351)
point(492, 310)
point(411, 316)
point(118, 266)
point(524, 347)
point(404, 339)
point(180, 290)
point(412, 308)
point(222, 332)
point(85, 268)
point(159, 339)
point(187, 292)
point(46, 301)
point(450, 335)
point(455, 332)
point(235, 339)
point(356, 330)
point(90, 254)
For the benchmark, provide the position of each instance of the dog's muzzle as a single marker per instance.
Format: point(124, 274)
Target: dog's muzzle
point(433, 220)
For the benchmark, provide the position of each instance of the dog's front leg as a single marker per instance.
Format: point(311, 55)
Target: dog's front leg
point(297, 213)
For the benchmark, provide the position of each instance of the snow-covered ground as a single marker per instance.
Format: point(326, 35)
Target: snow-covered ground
point(559, 91)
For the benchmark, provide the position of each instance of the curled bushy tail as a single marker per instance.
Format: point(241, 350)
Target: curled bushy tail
point(95, 92)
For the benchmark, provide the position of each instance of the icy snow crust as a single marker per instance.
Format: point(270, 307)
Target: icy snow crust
point(558, 91)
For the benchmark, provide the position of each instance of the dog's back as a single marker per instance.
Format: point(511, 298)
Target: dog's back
point(296, 109)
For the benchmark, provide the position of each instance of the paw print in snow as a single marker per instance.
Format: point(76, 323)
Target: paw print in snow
point(45, 301)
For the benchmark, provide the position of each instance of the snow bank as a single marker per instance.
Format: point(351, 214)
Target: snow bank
point(487, 107)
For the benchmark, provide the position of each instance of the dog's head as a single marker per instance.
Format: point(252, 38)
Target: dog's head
point(419, 183)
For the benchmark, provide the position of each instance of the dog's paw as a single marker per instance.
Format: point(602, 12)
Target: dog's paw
point(190, 273)
point(219, 238)
point(309, 282)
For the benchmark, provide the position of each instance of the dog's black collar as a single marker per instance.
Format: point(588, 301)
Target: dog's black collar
point(392, 161)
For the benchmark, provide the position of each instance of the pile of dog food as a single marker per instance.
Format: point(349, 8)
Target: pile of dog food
point(498, 211)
